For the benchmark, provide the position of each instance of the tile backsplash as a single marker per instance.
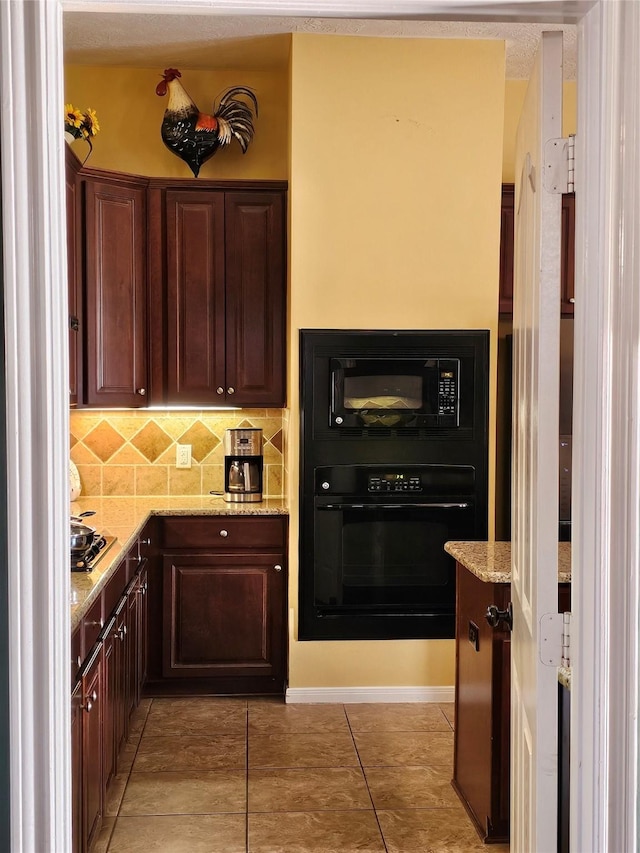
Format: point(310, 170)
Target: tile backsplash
point(120, 453)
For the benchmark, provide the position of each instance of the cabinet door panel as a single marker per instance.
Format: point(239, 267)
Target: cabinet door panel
point(222, 615)
point(195, 296)
point(92, 749)
point(73, 268)
point(255, 289)
point(568, 256)
point(116, 321)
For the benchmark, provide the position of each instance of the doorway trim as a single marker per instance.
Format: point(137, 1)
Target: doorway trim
point(37, 415)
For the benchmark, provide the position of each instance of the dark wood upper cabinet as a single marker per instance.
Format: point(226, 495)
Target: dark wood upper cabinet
point(255, 298)
point(567, 256)
point(115, 339)
point(195, 297)
point(178, 289)
point(224, 299)
point(74, 245)
point(507, 219)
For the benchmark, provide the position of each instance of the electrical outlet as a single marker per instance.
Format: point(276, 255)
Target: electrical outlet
point(474, 635)
point(183, 456)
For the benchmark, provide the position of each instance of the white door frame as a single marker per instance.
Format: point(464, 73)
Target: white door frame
point(606, 442)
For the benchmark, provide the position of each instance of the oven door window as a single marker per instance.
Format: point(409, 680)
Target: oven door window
point(386, 560)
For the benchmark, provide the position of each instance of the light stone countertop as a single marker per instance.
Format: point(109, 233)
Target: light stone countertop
point(491, 561)
point(124, 518)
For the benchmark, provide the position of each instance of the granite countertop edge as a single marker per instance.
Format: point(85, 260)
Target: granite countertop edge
point(491, 561)
point(124, 518)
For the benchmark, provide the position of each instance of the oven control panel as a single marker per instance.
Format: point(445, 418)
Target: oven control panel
point(393, 482)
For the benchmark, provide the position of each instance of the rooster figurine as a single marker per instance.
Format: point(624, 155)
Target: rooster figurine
point(196, 136)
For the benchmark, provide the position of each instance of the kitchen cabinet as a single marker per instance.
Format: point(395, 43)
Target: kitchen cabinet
point(219, 606)
point(567, 252)
point(481, 774)
point(116, 368)
point(178, 290)
point(223, 299)
point(72, 189)
point(107, 667)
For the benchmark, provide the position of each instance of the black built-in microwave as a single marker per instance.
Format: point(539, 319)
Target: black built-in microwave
point(395, 392)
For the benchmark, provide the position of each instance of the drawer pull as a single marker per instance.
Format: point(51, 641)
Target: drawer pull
point(99, 624)
point(278, 567)
point(88, 706)
point(224, 533)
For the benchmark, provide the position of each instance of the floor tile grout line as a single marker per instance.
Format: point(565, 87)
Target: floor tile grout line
point(117, 815)
point(366, 782)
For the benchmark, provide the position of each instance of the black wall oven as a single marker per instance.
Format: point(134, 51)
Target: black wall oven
point(394, 445)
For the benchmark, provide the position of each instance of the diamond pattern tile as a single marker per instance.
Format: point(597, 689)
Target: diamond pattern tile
point(104, 441)
point(201, 439)
point(151, 441)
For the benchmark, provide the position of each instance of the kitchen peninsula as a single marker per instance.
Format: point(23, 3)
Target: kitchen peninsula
point(483, 680)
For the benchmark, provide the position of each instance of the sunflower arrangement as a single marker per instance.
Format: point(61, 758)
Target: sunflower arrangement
point(80, 125)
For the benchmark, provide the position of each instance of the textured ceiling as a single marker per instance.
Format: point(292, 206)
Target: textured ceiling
point(208, 41)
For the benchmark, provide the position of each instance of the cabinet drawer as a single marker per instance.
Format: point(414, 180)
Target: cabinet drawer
point(114, 589)
point(92, 624)
point(76, 654)
point(224, 533)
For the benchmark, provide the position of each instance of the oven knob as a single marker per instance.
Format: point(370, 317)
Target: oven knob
point(326, 485)
point(338, 420)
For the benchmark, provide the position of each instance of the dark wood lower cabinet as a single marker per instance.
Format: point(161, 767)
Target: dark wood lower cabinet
point(92, 745)
point(482, 752)
point(103, 698)
point(217, 600)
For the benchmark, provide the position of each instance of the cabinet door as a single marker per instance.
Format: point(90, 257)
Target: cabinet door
point(110, 694)
point(92, 748)
point(73, 272)
point(195, 297)
point(119, 677)
point(506, 249)
point(223, 616)
point(116, 320)
point(76, 768)
point(141, 634)
point(131, 680)
point(256, 298)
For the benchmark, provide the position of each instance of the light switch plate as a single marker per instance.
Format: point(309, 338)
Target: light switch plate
point(183, 456)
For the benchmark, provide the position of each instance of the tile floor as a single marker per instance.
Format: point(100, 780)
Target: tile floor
point(217, 775)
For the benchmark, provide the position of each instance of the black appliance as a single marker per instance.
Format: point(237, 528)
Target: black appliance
point(394, 464)
point(383, 392)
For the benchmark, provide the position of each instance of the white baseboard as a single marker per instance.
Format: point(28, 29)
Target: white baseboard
point(345, 695)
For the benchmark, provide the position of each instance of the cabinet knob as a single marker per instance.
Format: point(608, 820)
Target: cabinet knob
point(79, 661)
point(278, 567)
point(98, 624)
point(572, 300)
point(88, 706)
point(219, 390)
point(146, 541)
point(224, 533)
point(141, 391)
point(231, 390)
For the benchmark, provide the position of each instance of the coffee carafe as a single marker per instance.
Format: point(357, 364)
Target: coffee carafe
point(243, 465)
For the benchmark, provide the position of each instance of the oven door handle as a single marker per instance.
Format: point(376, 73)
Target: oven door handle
point(397, 506)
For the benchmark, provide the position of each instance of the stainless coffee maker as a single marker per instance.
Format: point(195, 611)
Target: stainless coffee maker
point(243, 465)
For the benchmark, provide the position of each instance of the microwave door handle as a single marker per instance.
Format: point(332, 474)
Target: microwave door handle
point(397, 506)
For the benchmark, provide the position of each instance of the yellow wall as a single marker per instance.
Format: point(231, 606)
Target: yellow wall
point(130, 114)
point(396, 159)
point(514, 92)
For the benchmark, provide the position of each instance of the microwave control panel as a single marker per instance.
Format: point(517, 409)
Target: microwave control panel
point(448, 387)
